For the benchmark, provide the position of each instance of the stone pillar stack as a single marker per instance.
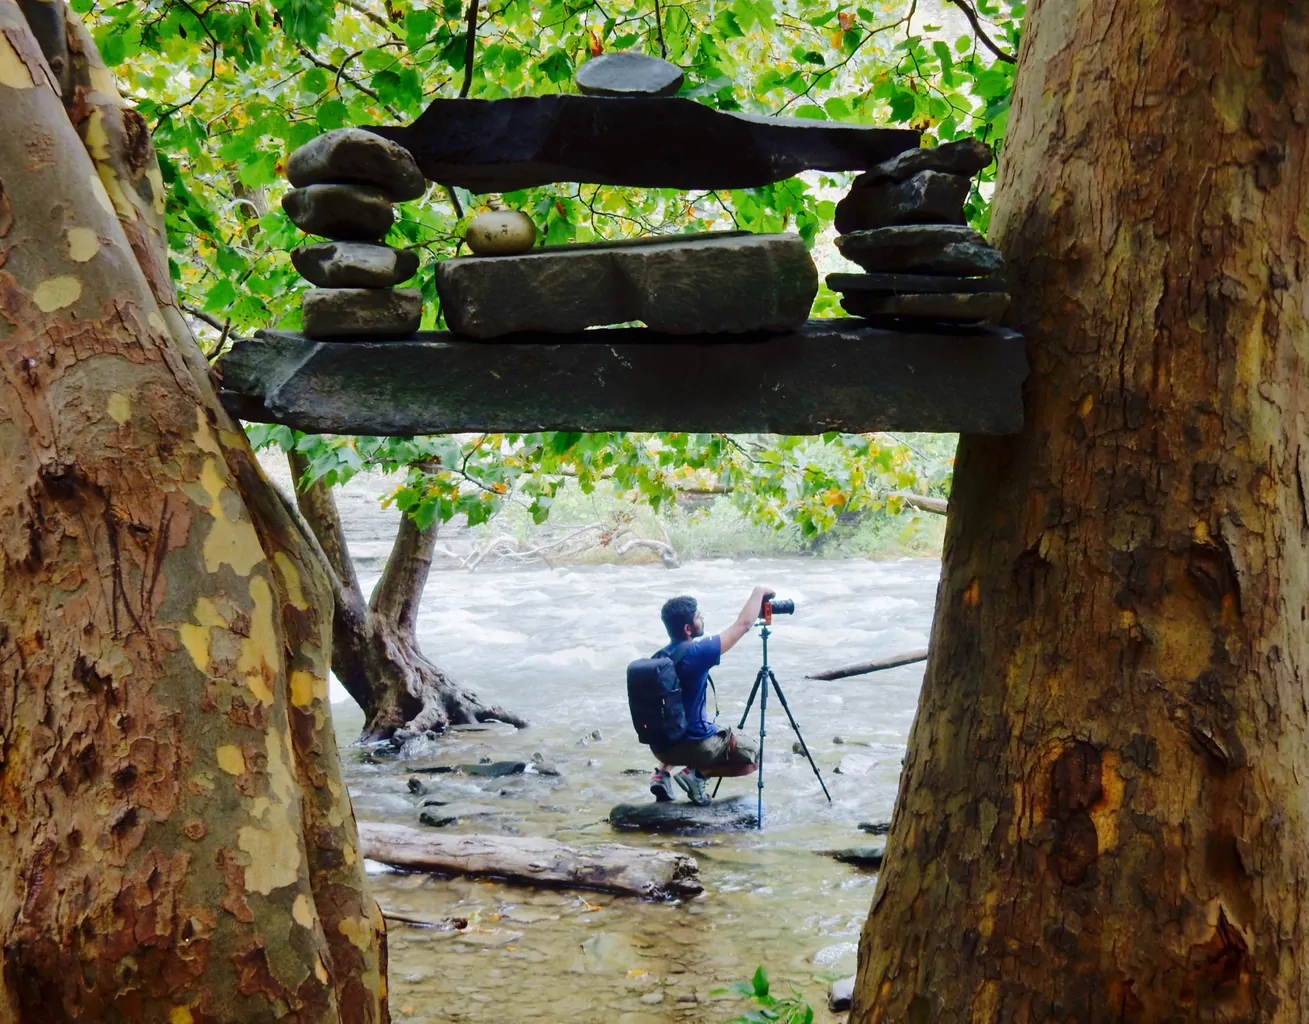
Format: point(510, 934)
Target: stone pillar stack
point(346, 184)
point(903, 223)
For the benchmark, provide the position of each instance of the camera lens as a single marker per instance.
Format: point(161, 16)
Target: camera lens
point(783, 607)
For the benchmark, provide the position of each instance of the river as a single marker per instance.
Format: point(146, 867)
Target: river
point(553, 644)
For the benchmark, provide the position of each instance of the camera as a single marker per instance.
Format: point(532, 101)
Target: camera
point(774, 606)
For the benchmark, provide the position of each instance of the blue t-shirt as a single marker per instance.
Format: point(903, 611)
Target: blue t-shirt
point(693, 671)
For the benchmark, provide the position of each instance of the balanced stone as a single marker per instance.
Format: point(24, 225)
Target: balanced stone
point(921, 248)
point(912, 284)
point(649, 141)
point(357, 157)
point(946, 308)
point(354, 264)
point(929, 197)
point(628, 74)
point(361, 312)
point(965, 158)
point(349, 212)
point(704, 285)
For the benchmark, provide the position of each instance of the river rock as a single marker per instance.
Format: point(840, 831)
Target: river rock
point(358, 213)
point(921, 248)
point(870, 856)
point(841, 994)
point(494, 769)
point(913, 284)
point(362, 313)
point(355, 156)
point(628, 74)
point(944, 308)
point(733, 812)
point(964, 157)
point(875, 828)
point(354, 264)
point(929, 197)
point(705, 285)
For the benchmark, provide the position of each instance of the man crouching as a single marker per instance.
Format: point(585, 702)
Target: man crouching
point(705, 745)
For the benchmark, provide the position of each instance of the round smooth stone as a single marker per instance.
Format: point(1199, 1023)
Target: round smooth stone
point(354, 264)
point(355, 156)
point(500, 233)
point(628, 74)
point(356, 213)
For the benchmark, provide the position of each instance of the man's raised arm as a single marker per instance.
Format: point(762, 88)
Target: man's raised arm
point(753, 609)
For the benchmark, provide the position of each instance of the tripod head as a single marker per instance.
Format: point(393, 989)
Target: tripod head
point(772, 606)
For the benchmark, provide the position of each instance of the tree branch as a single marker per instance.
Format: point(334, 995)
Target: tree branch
point(224, 328)
point(470, 45)
point(973, 20)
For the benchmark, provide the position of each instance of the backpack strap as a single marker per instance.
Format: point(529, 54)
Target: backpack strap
point(679, 651)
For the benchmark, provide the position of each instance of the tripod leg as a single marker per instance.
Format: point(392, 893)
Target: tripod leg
point(754, 690)
point(763, 718)
point(794, 725)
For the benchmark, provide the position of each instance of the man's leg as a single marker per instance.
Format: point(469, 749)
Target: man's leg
point(661, 784)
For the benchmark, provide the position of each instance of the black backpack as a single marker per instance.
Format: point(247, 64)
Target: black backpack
point(654, 696)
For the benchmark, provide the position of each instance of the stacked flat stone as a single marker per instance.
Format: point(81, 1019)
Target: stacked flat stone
point(346, 184)
point(903, 223)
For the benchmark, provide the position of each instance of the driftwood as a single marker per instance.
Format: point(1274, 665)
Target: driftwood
point(654, 874)
point(922, 502)
point(864, 667)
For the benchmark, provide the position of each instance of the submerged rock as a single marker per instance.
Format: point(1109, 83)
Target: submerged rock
point(869, 856)
point(352, 155)
point(349, 212)
point(494, 769)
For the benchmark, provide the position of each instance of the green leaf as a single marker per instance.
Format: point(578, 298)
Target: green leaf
point(759, 983)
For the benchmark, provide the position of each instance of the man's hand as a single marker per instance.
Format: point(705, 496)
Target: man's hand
point(754, 609)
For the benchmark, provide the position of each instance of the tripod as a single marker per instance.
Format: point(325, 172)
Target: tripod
point(760, 689)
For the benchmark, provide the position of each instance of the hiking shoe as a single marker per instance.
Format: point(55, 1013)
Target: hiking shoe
point(661, 785)
point(693, 784)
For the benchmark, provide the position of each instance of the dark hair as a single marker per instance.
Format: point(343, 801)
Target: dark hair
point(677, 613)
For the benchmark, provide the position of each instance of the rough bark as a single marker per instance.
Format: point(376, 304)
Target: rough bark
point(175, 841)
point(1102, 814)
point(375, 649)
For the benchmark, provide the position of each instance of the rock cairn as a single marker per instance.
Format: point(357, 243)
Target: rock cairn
point(346, 184)
point(903, 223)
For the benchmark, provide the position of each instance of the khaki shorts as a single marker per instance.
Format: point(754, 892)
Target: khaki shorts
point(727, 746)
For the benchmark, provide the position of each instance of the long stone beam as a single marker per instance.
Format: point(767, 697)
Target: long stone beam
point(650, 141)
point(828, 375)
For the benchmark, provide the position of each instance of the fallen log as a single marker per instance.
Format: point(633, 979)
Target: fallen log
point(864, 667)
point(608, 867)
point(922, 502)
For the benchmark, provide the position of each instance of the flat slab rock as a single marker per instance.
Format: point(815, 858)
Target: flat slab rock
point(626, 74)
point(929, 197)
point(961, 308)
point(921, 248)
point(357, 213)
point(361, 312)
point(676, 816)
point(354, 264)
point(913, 284)
point(705, 285)
point(355, 156)
point(964, 157)
point(651, 141)
point(835, 374)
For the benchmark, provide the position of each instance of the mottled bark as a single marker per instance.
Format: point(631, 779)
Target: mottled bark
point(376, 654)
point(1103, 815)
point(175, 840)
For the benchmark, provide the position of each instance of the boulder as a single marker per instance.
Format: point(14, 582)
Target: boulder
point(358, 213)
point(354, 264)
point(362, 313)
point(929, 197)
point(494, 769)
point(628, 74)
point(921, 248)
point(358, 157)
point(705, 285)
point(841, 994)
point(944, 308)
point(731, 813)
point(964, 157)
point(870, 856)
point(913, 284)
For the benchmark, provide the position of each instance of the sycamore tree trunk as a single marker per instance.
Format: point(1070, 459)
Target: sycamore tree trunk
point(175, 839)
point(375, 651)
point(1104, 811)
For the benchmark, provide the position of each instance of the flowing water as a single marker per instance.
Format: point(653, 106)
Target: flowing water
point(553, 644)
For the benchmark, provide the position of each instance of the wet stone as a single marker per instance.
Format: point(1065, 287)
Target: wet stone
point(355, 213)
point(628, 74)
point(733, 812)
point(494, 769)
point(363, 313)
point(945, 308)
point(965, 158)
point(355, 156)
point(840, 995)
point(354, 264)
point(929, 197)
point(910, 284)
point(869, 856)
point(921, 248)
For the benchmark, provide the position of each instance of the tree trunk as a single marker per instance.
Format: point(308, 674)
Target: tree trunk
point(375, 651)
point(175, 839)
point(1102, 814)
